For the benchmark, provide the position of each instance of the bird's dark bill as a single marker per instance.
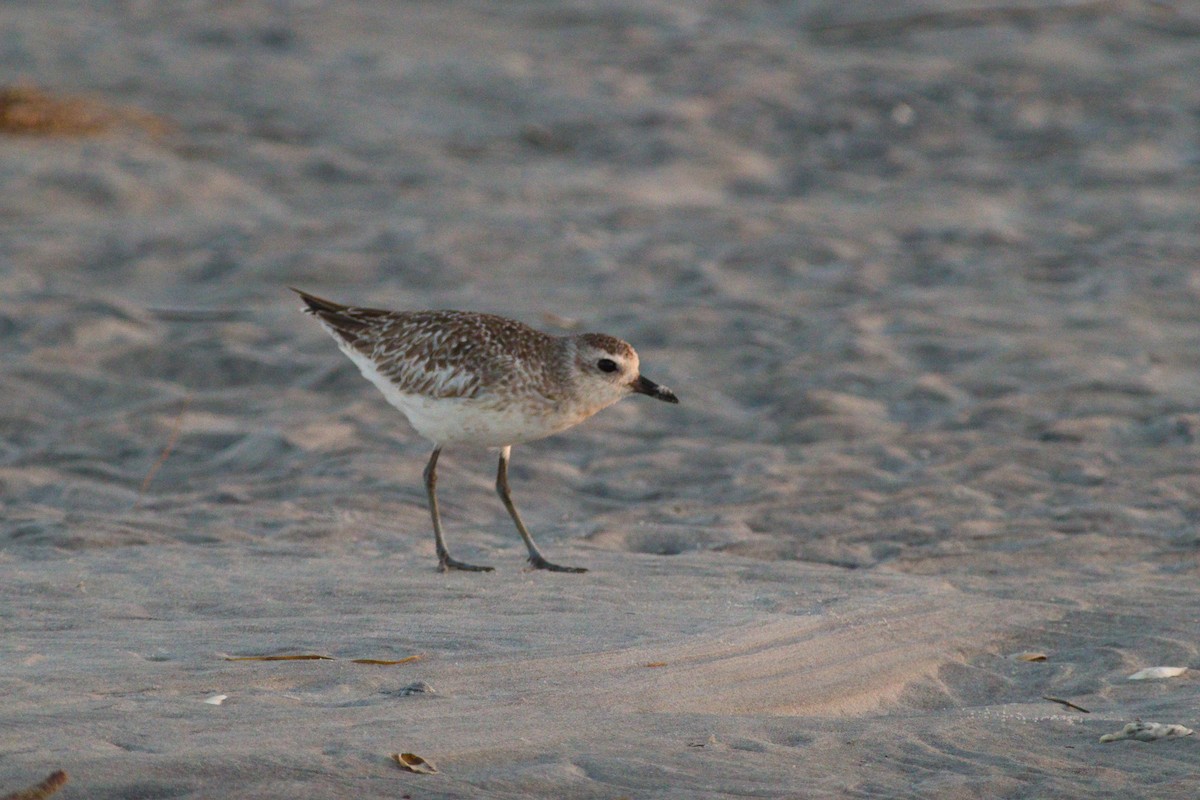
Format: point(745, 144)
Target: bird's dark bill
point(648, 387)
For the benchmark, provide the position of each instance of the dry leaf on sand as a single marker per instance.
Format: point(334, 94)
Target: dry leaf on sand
point(53, 782)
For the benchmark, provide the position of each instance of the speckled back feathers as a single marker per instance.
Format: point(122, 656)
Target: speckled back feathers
point(448, 354)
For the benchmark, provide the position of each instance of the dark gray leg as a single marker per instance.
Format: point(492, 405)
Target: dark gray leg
point(535, 556)
point(445, 562)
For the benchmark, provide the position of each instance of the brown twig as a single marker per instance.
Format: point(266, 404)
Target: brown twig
point(54, 781)
point(1066, 703)
point(303, 657)
point(157, 465)
point(962, 18)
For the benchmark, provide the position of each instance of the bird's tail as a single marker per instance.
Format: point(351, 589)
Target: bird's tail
point(318, 305)
point(345, 322)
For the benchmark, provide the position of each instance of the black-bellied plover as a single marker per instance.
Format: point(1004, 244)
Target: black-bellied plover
point(480, 379)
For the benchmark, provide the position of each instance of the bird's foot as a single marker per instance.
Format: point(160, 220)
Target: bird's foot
point(446, 563)
point(537, 562)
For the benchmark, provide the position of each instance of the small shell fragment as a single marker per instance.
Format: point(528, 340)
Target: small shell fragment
point(216, 699)
point(566, 323)
point(414, 763)
point(1150, 673)
point(1147, 732)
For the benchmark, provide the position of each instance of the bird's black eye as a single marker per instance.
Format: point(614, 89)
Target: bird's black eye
point(606, 365)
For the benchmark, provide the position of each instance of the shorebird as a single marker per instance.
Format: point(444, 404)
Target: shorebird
point(466, 377)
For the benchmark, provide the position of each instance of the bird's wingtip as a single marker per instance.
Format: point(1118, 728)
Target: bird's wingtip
point(317, 304)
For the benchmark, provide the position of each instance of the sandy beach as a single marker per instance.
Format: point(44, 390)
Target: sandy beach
point(926, 280)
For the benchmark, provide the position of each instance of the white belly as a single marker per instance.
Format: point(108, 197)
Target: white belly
point(443, 421)
point(487, 422)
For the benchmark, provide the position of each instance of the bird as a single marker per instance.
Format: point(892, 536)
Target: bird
point(465, 377)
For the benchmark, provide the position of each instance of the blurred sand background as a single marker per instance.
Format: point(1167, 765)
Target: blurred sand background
point(928, 292)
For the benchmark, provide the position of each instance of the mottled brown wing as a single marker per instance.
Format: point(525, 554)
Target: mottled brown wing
point(421, 354)
point(409, 349)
